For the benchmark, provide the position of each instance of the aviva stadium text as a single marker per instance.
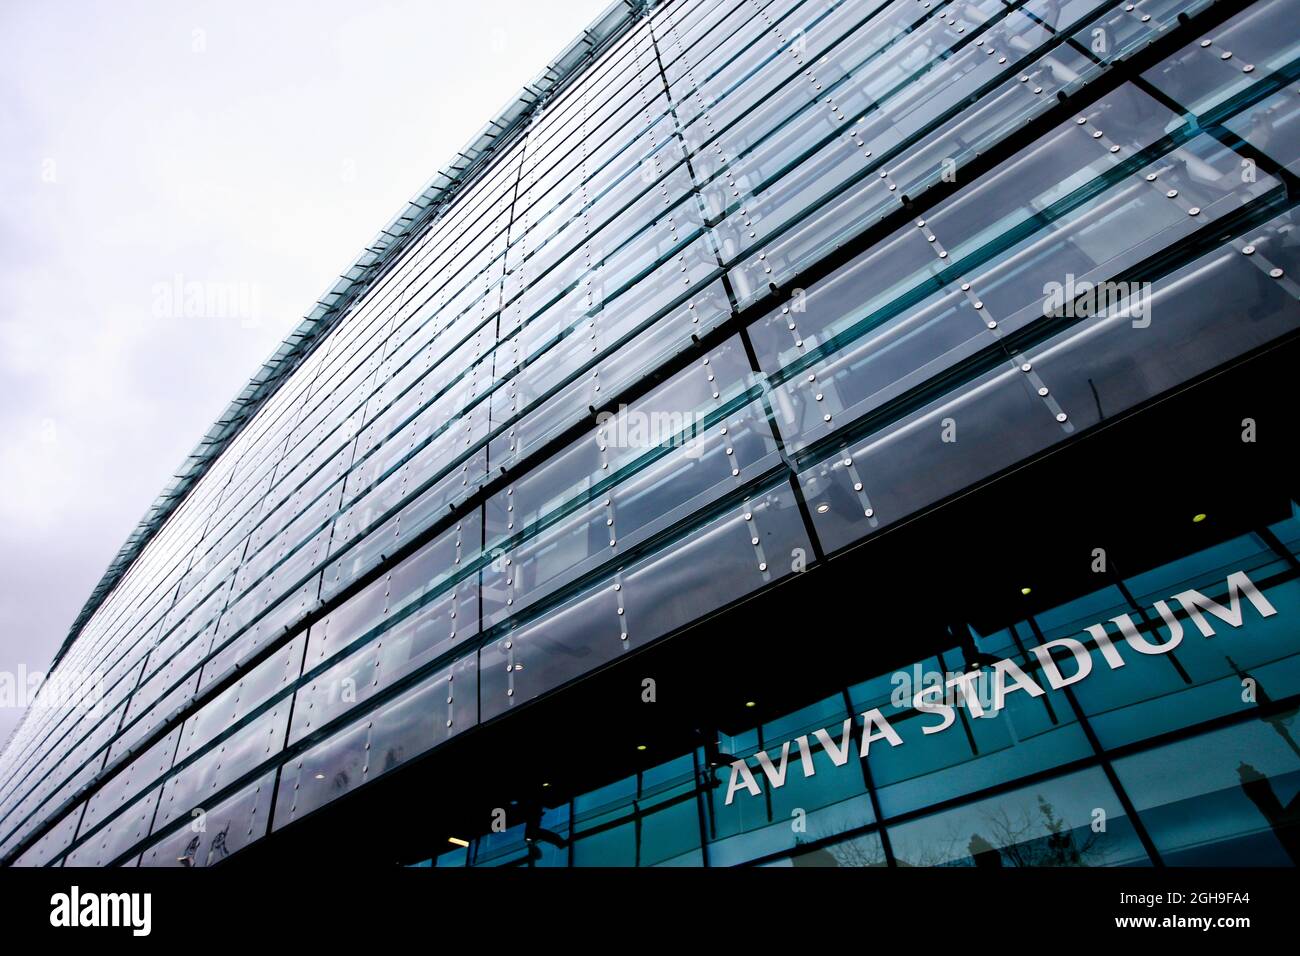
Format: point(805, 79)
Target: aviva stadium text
point(1064, 661)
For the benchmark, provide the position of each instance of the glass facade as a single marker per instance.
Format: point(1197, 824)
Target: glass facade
point(759, 290)
point(1115, 770)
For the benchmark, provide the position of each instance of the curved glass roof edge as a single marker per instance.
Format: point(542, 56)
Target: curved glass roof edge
point(615, 20)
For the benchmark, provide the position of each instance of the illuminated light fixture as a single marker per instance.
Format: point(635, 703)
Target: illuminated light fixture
point(1197, 519)
point(458, 841)
point(545, 784)
point(640, 746)
point(750, 703)
point(320, 776)
point(1026, 591)
point(823, 508)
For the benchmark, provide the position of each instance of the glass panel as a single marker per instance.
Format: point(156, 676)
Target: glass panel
point(1220, 799)
point(440, 706)
point(222, 830)
point(1048, 824)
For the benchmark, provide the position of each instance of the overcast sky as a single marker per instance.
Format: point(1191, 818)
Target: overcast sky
point(253, 145)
